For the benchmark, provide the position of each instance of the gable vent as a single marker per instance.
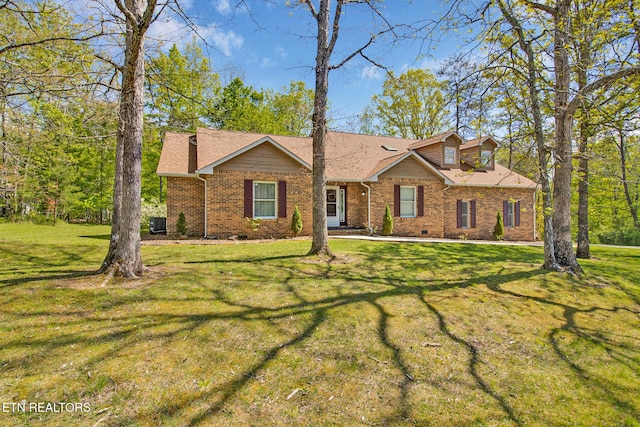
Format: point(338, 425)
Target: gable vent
point(389, 148)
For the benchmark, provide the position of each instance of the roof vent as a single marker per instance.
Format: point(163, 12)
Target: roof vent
point(389, 148)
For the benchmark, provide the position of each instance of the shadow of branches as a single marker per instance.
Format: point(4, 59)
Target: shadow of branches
point(282, 302)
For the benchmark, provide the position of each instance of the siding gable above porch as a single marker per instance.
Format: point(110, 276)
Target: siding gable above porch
point(264, 155)
point(410, 167)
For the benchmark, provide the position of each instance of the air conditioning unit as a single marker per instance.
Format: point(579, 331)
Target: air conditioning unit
point(158, 225)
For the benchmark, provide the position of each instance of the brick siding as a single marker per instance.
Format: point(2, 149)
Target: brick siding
point(225, 210)
point(431, 222)
point(489, 201)
point(185, 195)
point(225, 213)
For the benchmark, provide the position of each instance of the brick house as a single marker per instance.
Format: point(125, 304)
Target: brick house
point(438, 187)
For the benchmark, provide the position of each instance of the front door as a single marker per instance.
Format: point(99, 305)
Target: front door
point(333, 207)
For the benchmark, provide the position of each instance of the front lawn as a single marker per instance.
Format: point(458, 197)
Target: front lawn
point(260, 334)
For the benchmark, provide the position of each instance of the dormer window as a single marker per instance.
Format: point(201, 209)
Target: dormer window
point(449, 155)
point(485, 157)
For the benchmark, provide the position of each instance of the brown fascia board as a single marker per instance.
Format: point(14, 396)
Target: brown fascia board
point(435, 140)
point(479, 141)
point(426, 164)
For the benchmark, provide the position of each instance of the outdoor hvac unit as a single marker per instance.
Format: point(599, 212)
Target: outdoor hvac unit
point(158, 225)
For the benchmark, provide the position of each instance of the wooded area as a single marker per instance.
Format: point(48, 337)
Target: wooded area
point(557, 83)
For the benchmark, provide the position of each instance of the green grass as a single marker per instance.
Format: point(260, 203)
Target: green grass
point(386, 334)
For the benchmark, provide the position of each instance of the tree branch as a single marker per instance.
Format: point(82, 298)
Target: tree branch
point(311, 7)
point(543, 7)
point(603, 81)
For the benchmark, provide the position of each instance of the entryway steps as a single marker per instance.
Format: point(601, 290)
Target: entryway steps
point(347, 231)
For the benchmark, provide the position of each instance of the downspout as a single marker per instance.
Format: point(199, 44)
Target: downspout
point(205, 203)
point(535, 199)
point(368, 205)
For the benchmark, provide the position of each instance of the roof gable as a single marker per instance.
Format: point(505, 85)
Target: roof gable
point(387, 164)
point(480, 142)
point(208, 169)
point(436, 139)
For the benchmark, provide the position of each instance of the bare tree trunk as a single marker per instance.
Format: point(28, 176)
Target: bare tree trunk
point(320, 234)
point(583, 250)
point(124, 257)
point(563, 243)
point(623, 175)
point(550, 262)
point(117, 204)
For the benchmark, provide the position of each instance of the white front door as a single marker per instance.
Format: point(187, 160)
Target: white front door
point(333, 207)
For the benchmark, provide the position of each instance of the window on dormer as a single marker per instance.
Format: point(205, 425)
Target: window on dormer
point(449, 155)
point(485, 157)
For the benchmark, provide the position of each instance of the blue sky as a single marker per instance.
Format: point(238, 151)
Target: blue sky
point(268, 45)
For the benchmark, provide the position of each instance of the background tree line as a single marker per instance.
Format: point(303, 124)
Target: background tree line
point(58, 114)
point(58, 107)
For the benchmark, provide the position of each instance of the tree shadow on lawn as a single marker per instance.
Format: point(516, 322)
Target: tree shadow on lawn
point(622, 350)
point(124, 328)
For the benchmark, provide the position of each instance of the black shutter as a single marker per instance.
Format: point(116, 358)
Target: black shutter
point(505, 212)
point(396, 200)
point(459, 213)
point(420, 200)
point(282, 199)
point(344, 188)
point(472, 208)
point(248, 198)
point(516, 209)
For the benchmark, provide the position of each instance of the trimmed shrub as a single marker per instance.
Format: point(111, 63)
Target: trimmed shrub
point(387, 222)
point(296, 221)
point(181, 224)
point(498, 230)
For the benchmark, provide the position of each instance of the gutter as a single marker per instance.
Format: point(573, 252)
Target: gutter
point(205, 203)
point(368, 205)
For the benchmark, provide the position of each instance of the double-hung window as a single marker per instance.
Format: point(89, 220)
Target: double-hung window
point(465, 214)
point(407, 202)
point(509, 214)
point(449, 155)
point(264, 200)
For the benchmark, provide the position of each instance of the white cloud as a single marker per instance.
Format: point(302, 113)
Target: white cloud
point(223, 7)
point(431, 64)
point(281, 51)
point(225, 41)
point(371, 72)
point(267, 63)
point(168, 31)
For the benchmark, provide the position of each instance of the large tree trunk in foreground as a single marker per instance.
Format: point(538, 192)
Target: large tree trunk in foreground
point(320, 234)
point(531, 78)
point(124, 257)
point(563, 243)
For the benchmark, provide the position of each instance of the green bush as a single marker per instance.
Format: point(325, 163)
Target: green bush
point(628, 236)
point(296, 221)
point(181, 224)
point(387, 222)
point(498, 230)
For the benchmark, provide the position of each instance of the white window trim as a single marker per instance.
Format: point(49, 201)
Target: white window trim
point(444, 155)
point(275, 199)
point(415, 202)
point(466, 216)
